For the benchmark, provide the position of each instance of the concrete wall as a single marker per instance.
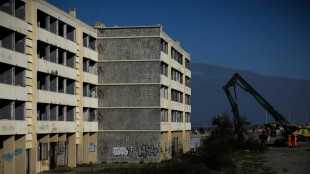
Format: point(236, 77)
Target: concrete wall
point(125, 32)
point(132, 147)
point(129, 119)
point(129, 72)
point(124, 96)
point(129, 49)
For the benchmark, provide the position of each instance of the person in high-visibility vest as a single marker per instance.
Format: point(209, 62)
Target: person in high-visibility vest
point(289, 141)
point(295, 141)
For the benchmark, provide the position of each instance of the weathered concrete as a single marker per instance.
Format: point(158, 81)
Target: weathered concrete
point(127, 32)
point(132, 147)
point(129, 72)
point(129, 119)
point(123, 96)
point(129, 49)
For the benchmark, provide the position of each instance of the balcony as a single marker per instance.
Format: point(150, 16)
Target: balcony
point(56, 98)
point(187, 126)
point(188, 73)
point(90, 126)
point(164, 80)
point(177, 126)
point(89, 102)
point(13, 23)
point(13, 58)
point(91, 54)
point(13, 127)
point(164, 57)
point(188, 90)
point(164, 103)
point(188, 108)
point(177, 106)
point(13, 92)
point(58, 41)
point(56, 127)
point(54, 68)
point(164, 126)
point(176, 85)
point(90, 78)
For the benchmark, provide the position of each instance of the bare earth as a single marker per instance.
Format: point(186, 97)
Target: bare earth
point(276, 160)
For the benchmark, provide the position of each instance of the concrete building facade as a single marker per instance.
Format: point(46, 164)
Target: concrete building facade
point(48, 80)
point(144, 95)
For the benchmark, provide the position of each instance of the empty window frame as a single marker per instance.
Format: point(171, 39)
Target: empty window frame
point(70, 33)
point(53, 25)
point(53, 83)
point(20, 78)
point(70, 62)
point(70, 113)
point(42, 81)
point(20, 43)
point(89, 66)
point(20, 110)
point(53, 54)
point(6, 38)
point(176, 96)
point(20, 9)
point(62, 56)
point(164, 69)
point(187, 117)
point(187, 64)
point(42, 111)
point(92, 43)
point(85, 40)
point(85, 89)
point(61, 112)
point(92, 90)
point(164, 115)
point(43, 20)
point(164, 46)
point(6, 6)
point(176, 75)
point(70, 86)
point(53, 112)
point(187, 81)
point(176, 116)
point(43, 50)
point(61, 28)
point(6, 73)
point(43, 152)
point(164, 92)
point(6, 109)
point(187, 99)
point(176, 56)
point(61, 85)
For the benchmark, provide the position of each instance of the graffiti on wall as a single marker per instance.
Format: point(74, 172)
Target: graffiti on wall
point(100, 48)
point(120, 151)
point(144, 151)
point(9, 156)
point(91, 147)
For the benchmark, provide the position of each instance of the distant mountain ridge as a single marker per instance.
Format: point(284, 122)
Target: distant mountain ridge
point(290, 97)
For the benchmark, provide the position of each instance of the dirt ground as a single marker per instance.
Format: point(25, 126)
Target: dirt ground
point(276, 160)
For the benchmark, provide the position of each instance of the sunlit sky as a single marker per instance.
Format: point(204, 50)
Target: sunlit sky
point(268, 37)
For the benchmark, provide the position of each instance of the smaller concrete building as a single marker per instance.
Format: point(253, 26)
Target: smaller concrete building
point(144, 95)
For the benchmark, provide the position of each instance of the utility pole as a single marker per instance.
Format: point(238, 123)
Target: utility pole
point(266, 116)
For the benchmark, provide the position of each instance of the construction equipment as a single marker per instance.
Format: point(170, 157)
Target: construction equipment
point(302, 134)
point(238, 80)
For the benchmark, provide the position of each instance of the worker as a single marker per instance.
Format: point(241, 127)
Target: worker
point(295, 141)
point(289, 141)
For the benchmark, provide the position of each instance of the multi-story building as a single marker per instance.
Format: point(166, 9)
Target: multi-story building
point(144, 95)
point(48, 80)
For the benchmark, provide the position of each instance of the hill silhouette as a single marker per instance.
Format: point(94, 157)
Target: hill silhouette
point(289, 97)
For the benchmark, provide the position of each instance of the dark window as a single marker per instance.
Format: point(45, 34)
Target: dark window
point(20, 110)
point(6, 109)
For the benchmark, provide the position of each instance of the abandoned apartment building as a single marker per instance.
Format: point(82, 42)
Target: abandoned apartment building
point(48, 80)
point(73, 94)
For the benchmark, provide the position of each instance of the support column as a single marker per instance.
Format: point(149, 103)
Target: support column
point(20, 154)
point(85, 148)
point(71, 150)
point(8, 156)
point(93, 144)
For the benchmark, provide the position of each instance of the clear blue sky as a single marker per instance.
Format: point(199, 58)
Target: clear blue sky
point(268, 37)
